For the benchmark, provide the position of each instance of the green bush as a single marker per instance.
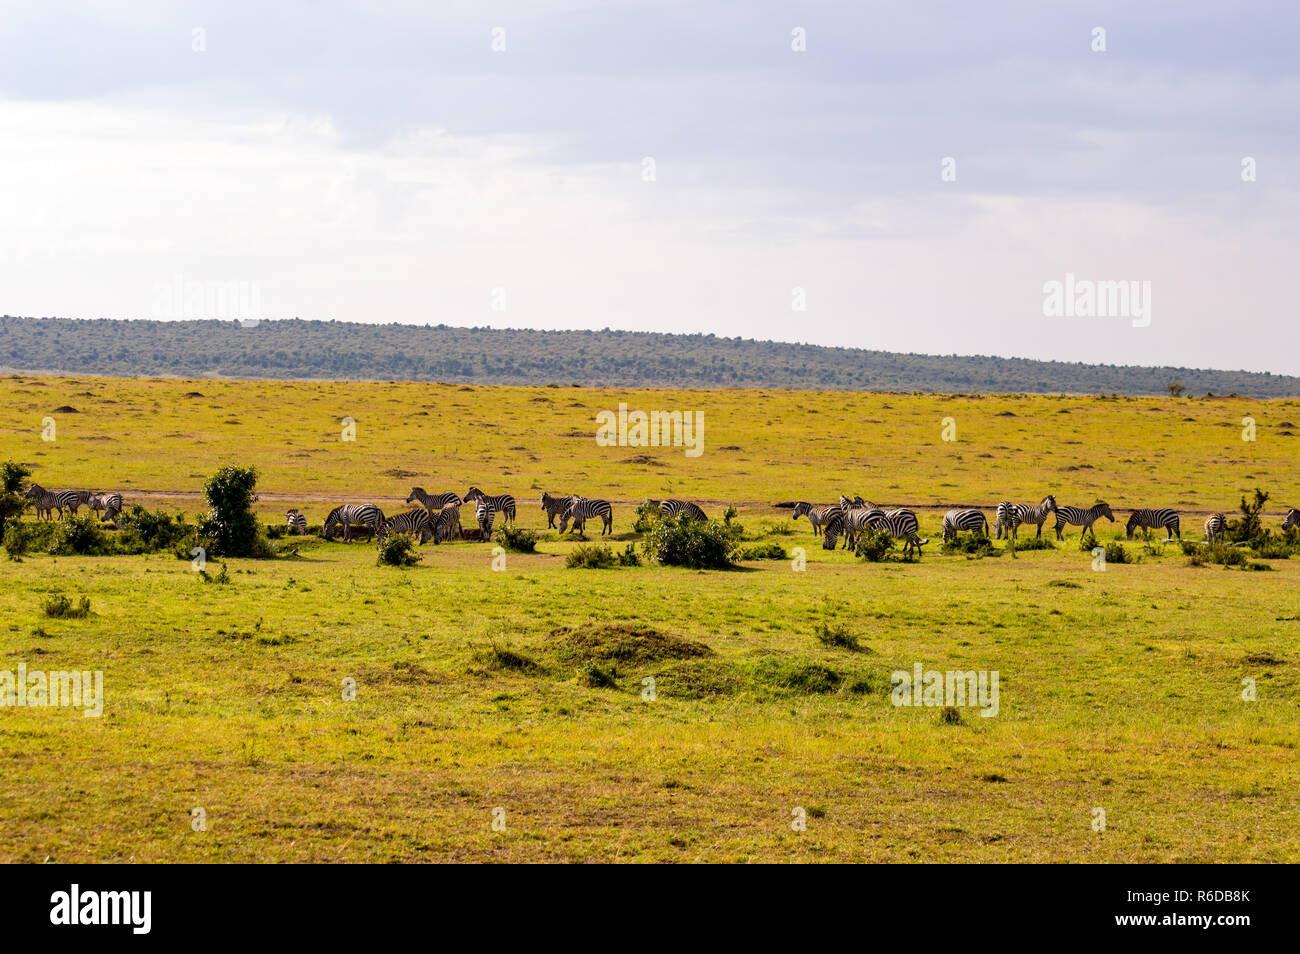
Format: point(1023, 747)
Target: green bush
point(59, 606)
point(628, 557)
point(975, 544)
point(13, 478)
point(151, 531)
point(397, 549)
point(591, 557)
point(229, 528)
point(1034, 543)
point(1217, 553)
point(873, 545)
point(80, 535)
point(837, 636)
point(516, 540)
point(647, 517)
point(1115, 553)
point(707, 545)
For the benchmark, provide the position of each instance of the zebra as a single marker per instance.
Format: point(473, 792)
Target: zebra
point(1025, 513)
point(819, 517)
point(446, 525)
point(580, 510)
point(295, 521)
point(502, 503)
point(851, 523)
point(1154, 518)
point(900, 523)
point(1292, 519)
point(857, 503)
point(955, 521)
point(1216, 525)
point(1082, 518)
point(353, 515)
point(412, 521)
point(110, 504)
point(47, 501)
point(679, 508)
point(554, 505)
point(484, 513)
point(1002, 523)
point(432, 502)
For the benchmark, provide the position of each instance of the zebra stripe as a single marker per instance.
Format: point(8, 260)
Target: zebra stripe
point(485, 512)
point(1027, 513)
point(1292, 519)
point(580, 510)
point(412, 521)
point(850, 523)
point(110, 504)
point(503, 504)
point(679, 508)
point(353, 515)
point(296, 522)
point(819, 517)
point(554, 505)
point(1002, 523)
point(900, 524)
point(857, 503)
point(1216, 525)
point(446, 525)
point(955, 521)
point(47, 501)
point(1154, 518)
point(1081, 518)
point(432, 502)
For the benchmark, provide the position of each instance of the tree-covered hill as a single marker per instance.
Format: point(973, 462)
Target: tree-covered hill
point(344, 350)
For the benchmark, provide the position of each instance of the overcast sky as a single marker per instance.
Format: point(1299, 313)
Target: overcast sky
point(383, 162)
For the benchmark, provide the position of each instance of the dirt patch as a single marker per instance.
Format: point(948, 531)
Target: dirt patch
point(398, 472)
point(645, 460)
point(65, 409)
point(629, 643)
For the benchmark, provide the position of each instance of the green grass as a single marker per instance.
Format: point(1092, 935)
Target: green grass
point(651, 713)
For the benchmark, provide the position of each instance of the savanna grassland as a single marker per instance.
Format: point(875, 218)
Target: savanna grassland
point(481, 689)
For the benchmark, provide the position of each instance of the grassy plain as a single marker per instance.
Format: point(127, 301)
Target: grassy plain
point(1120, 690)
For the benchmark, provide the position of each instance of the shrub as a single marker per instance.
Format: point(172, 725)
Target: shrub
point(397, 549)
point(516, 540)
point(628, 557)
point(647, 517)
point(707, 545)
point(1034, 543)
point(764, 551)
point(837, 636)
point(79, 534)
point(1248, 527)
point(1115, 553)
point(1218, 553)
point(149, 531)
point(229, 527)
point(13, 477)
point(59, 606)
point(973, 543)
point(591, 557)
point(874, 545)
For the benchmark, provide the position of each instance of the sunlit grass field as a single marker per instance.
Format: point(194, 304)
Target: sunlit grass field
point(1120, 690)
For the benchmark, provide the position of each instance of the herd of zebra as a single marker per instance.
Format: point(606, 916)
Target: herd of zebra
point(850, 517)
point(105, 503)
point(438, 517)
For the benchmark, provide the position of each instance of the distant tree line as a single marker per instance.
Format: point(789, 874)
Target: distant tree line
point(345, 350)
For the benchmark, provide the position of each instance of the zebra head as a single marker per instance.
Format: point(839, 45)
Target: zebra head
point(474, 494)
point(331, 522)
point(416, 494)
point(34, 492)
point(1049, 502)
point(801, 509)
point(1130, 526)
point(1103, 510)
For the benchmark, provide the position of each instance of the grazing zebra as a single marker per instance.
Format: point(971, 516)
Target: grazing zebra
point(353, 515)
point(1154, 519)
point(432, 502)
point(1026, 513)
point(955, 521)
point(446, 525)
point(900, 523)
point(580, 510)
point(1216, 525)
point(47, 501)
point(110, 504)
point(295, 521)
point(484, 513)
point(412, 521)
point(819, 517)
point(679, 508)
point(1081, 518)
point(554, 505)
point(503, 504)
point(1002, 522)
point(857, 503)
point(850, 523)
point(1292, 519)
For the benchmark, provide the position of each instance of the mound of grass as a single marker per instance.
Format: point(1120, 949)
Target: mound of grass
point(973, 544)
point(698, 679)
point(397, 550)
point(1034, 543)
point(60, 606)
point(628, 643)
point(591, 557)
point(594, 676)
point(837, 636)
point(797, 676)
point(517, 540)
point(504, 658)
point(765, 551)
